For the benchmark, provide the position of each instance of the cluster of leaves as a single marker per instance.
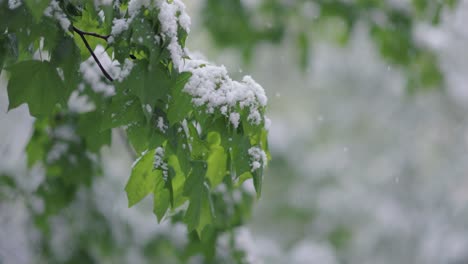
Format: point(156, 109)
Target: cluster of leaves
point(391, 27)
point(185, 154)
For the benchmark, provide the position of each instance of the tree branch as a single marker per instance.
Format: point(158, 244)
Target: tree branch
point(82, 35)
point(79, 31)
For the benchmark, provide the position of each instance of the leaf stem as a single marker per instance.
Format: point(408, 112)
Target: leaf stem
point(82, 35)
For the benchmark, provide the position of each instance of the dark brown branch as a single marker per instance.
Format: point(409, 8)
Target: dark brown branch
point(82, 35)
point(81, 32)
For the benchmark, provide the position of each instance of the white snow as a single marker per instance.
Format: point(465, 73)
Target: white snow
point(211, 86)
point(92, 73)
point(54, 10)
point(148, 108)
point(245, 241)
point(57, 150)
point(102, 16)
point(258, 158)
point(135, 5)
point(125, 70)
point(267, 123)
point(234, 118)
point(119, 25)
point(160, 124)
point(105, 2)
point(80, 103)
point(13, 4)
point(171, 14)
point(159, 162)
point(66, 132)
point(306, 252)
point(249, 187)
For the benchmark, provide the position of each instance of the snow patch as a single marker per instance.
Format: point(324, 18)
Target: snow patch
point(80, 103)
point(54, 10)
point(119, 25)
point(211, 86)
point(160, 125)
point(13, 4)
point(125, 70)
point(159, 162)
point(258, 158)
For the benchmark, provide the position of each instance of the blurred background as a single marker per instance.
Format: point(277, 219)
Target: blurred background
point(369, 142)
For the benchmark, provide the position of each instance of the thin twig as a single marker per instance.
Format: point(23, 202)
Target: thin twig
point(79, 31)
point(82, 35)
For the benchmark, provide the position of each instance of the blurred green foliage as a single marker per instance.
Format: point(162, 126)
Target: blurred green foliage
point(237, 24)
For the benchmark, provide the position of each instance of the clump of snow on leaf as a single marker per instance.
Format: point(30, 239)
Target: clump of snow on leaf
point(234, 118)
point(210, 85)
point(258, 158)
point(135, 5)
point(125, 70)
point(119, 25)
point(13, 4)
point(80, 103)
point(54, 10)
point(161, 125)
point(172, 15)
point(159, 162)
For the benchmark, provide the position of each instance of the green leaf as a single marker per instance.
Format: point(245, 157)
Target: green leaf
point(340, 237)
point(89, 21)
point(36, 83)
point(181, 102)
point(142, 180)
point(66, 55)
point(239, 154)
point(8, 49)
point(144, 136)
point(108, 15)
point(177, 181)
point(89, 127)
point(37, 7)
point(142, 34)
point(49, 31)
point(197, 160)
point(199, 213)
point(36, 148)
point(123, 110)
point(200, 149)
point(161, 198)
point(7, 181)
point(3, 52)
point(217, 167)
point(149, 82)
point(257, 181)
point(138, 135)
